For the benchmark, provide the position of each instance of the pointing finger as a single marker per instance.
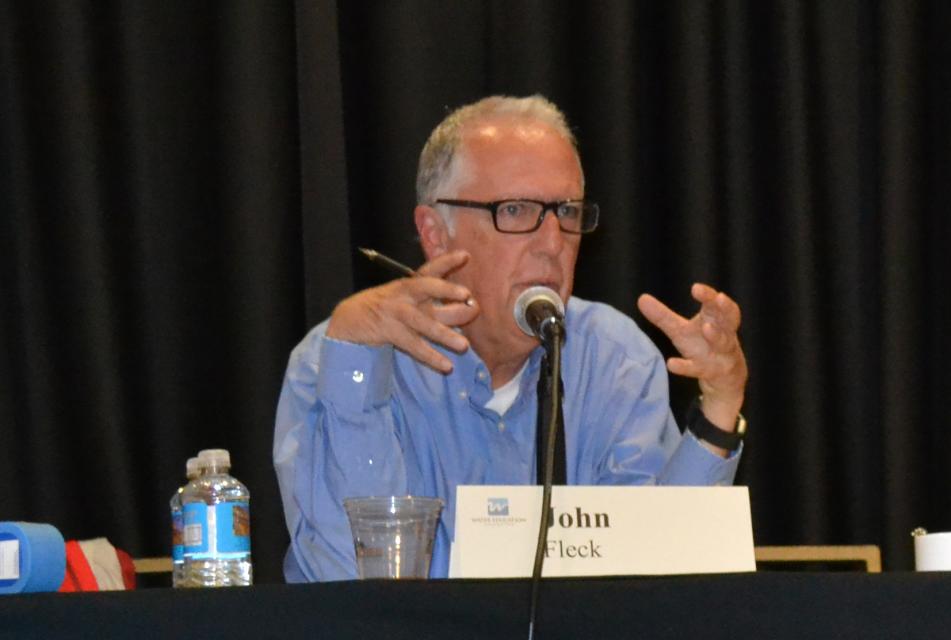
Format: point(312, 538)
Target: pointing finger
point(659, 314)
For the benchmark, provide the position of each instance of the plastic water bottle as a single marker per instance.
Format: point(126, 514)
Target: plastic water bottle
point(192, 470)
point(217, 531)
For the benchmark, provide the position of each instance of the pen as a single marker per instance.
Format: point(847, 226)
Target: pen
point(398, 267)
point(390, 263)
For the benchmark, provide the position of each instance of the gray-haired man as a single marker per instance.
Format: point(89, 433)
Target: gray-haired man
point(406, 389)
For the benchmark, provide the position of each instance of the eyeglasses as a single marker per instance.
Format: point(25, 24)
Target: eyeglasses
point(525, 216)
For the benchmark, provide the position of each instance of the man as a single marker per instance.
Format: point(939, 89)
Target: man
point(426, 383)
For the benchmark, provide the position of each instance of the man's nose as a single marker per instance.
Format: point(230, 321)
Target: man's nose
point(550, 235)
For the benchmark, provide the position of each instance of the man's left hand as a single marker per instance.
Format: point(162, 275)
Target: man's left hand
point(710, 350)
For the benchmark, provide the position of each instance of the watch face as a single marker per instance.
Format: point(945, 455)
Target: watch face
point(741, 425)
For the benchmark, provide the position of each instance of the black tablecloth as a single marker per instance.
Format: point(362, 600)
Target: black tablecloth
point(763, 605)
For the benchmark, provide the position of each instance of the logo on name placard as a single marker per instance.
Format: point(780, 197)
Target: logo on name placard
point(499, 513)
point(498, 506)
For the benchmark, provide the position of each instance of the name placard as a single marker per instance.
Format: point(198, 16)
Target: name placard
point(602, 531)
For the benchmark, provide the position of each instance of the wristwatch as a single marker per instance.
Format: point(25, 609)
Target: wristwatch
point(706, 430)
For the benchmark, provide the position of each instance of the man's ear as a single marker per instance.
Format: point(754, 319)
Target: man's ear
point(433, 232)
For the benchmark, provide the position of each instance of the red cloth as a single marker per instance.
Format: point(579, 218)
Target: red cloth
point(128, 568)
point(80, 575)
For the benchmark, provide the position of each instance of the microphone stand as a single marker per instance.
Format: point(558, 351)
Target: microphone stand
point(549, 405)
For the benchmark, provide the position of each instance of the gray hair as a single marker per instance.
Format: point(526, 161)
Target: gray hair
point(436, 162)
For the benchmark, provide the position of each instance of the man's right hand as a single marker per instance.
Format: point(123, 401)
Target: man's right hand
point(407, 312)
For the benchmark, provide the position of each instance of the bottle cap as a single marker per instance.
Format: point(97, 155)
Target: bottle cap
point(215, 458)
point(193, 468)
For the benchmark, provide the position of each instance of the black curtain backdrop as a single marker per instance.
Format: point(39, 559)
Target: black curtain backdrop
point(183, 185)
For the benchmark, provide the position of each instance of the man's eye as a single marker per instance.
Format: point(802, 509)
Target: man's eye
point(569, 210)
point(512, 209)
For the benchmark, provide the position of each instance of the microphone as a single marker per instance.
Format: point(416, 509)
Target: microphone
point(537, 310)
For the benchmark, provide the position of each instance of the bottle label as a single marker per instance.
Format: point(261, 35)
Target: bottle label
point(211, 530)
point(178, 536)
point(196, 524)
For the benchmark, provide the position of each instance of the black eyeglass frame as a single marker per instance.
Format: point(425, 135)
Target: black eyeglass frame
point(493, 208)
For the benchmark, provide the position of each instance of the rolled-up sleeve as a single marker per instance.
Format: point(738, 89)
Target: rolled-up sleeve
point(335, 437)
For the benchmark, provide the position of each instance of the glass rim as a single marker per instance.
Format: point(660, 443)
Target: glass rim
point(391, 500)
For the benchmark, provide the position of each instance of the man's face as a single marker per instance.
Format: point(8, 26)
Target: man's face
point(508, 160)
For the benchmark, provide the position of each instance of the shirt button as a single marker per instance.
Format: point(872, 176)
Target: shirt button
point(481, 375)
point(463, 395)
point(501, 426)
point(358, 376)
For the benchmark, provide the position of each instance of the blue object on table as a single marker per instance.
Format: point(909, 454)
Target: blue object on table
point(32, 557)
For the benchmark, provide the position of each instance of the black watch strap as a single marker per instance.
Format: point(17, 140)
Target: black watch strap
point(706, 430)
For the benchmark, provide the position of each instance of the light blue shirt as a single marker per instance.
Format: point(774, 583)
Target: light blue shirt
point(355, 420)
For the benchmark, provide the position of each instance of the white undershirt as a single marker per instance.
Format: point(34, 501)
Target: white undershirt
point(504, 397)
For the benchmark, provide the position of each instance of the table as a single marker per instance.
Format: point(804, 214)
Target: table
point(761, 605)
